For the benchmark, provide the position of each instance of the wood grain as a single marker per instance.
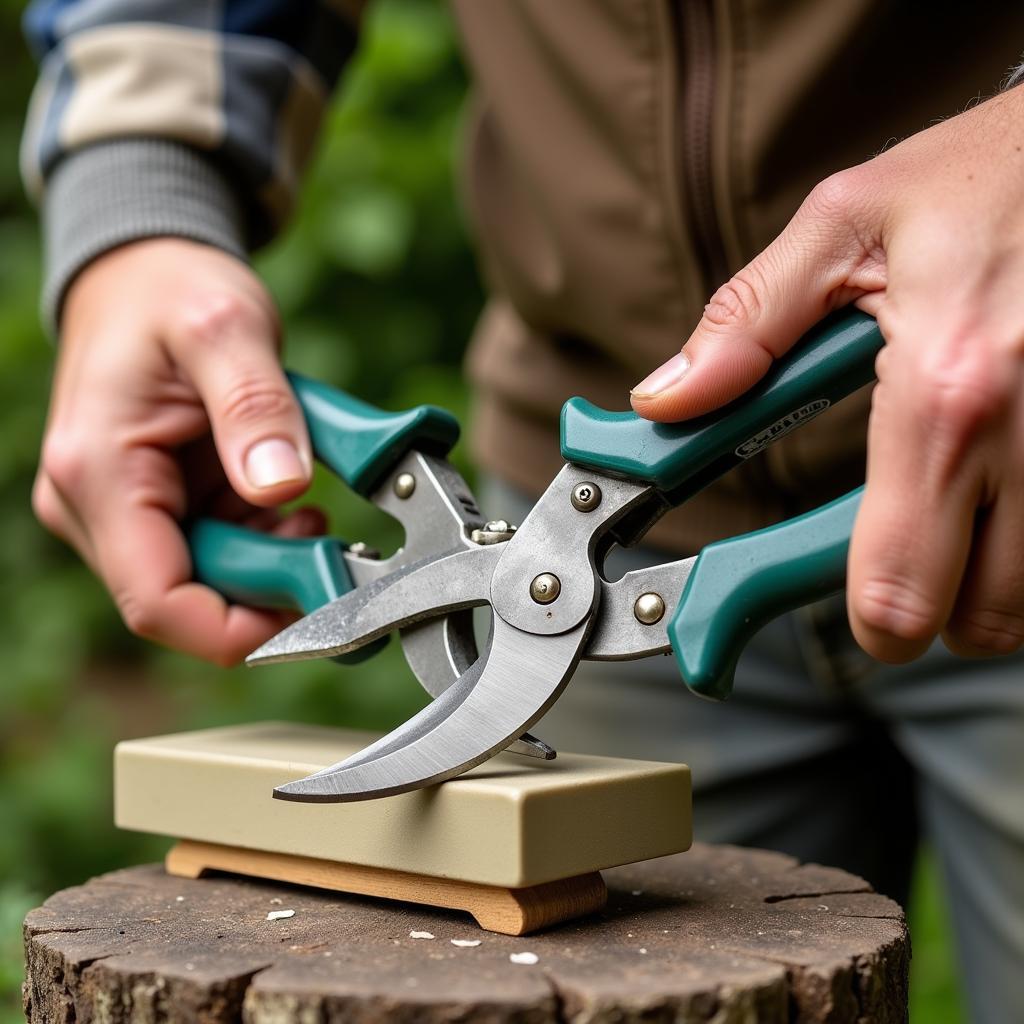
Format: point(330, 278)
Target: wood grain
point(495, 908)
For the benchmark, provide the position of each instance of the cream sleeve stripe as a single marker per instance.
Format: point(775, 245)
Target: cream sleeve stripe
point(177, 117)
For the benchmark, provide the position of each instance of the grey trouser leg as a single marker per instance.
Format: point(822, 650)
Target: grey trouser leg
point(824, 754)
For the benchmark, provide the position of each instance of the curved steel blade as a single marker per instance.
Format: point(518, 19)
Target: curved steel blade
point(437, 515)
point(492, 703)
point(423, 590)
point(440, 650)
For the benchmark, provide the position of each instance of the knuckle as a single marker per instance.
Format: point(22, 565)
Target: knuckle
point(44, 504)
point(252, 400)
point(883, 361)
point(140, 614)
point(998, 630)
point(227, 658)
point(961, 397)
point(207, 318)
point(833, 197)
point(64, 459)
point(150, 482)
point(889, 606)
point(738, 301)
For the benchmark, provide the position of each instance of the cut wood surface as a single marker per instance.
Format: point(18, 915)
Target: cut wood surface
point(717, 934)
point(513, 821)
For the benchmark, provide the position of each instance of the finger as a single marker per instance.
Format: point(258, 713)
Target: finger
point(307, 521)
point(228, 348)
point(988, 617)
point(59, 517)
point(913, 533)
point(143, 558)
point(825, 258)
point(223, 503)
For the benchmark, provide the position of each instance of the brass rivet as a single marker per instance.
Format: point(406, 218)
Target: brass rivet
point(649, 609)
point(405, 484)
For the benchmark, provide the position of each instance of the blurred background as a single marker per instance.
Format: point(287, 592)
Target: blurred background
point(378, 290)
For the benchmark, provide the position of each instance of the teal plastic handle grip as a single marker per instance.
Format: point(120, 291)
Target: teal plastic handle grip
point(827, 364)
point(258, 569)
point(362, 443)
point(739, 584)
point(264, 571)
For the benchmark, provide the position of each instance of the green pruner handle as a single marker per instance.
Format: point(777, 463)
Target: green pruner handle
point(362, 445)
point(679, 459)
point(264, 571)
point(738, 585)
point(259, 569)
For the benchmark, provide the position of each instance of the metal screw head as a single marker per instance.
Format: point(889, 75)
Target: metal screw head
point(586, 496)
point(545, 588)
point(405, 484)
point(649, 608)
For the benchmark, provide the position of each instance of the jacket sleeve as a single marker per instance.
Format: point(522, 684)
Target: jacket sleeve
point(192, 118)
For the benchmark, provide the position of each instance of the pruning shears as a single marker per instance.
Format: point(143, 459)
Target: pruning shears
point(550, 603)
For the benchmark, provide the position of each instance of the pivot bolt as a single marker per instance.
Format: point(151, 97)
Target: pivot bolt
point(545, 588)
point(405, 484)
point(586, 496)
point(649, 608)
point(363, 550)
point(494, 531)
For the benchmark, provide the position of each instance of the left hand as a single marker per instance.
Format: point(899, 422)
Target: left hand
point(929, 238)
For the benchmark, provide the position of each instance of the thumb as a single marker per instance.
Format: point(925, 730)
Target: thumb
point(258, 427)
point(758, 315)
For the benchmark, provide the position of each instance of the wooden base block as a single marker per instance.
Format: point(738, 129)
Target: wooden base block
point(495, 908)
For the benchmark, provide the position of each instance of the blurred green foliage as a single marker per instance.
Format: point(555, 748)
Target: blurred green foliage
point(377, 286)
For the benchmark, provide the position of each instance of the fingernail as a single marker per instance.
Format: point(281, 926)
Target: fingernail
point(272, 462)
point(663, 377)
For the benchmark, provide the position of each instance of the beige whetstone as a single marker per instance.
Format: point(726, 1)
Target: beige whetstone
point(512, 822)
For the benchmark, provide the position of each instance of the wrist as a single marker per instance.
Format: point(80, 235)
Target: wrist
point(111, 194)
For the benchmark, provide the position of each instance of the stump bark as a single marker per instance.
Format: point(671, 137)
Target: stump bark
point(718, 934)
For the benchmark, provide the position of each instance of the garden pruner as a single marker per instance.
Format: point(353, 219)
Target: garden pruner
point(550, 602)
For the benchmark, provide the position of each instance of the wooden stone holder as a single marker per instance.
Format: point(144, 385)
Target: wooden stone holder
point(518, 843)
point(495, 908)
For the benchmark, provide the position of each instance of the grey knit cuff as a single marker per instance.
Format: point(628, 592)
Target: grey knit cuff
point(115, 192)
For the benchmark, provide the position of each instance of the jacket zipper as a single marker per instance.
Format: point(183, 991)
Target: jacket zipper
point(694, 23)
point(695, 40)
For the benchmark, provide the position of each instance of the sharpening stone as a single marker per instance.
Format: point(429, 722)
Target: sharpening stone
point(512, 821)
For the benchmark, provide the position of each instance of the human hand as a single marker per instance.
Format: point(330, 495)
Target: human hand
point(929, 238)
point(169, 398)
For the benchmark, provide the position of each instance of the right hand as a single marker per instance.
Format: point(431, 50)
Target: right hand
point(169, 399)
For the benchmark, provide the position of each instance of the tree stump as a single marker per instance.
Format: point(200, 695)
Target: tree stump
point(717, 934)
